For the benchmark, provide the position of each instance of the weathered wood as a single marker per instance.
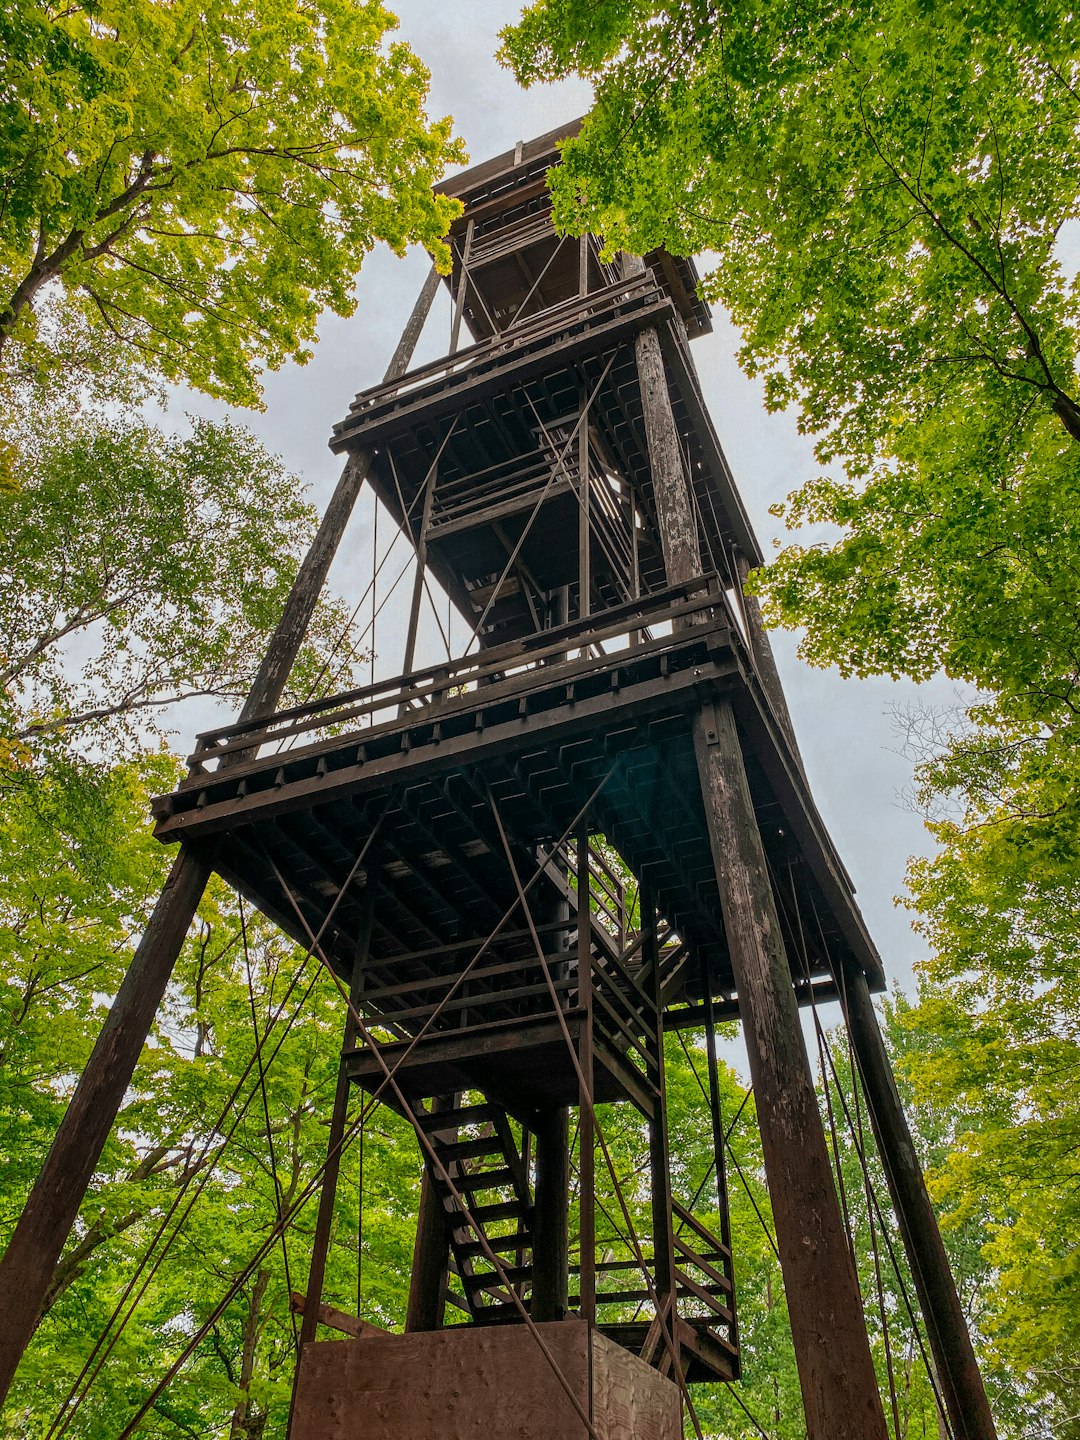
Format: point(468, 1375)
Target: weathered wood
point(462, 290)
point(431, 1248)
point(716, 1119)
point(338, 1320)
point(53, 1204)
point(587, 1087)
point(470, 1381)
point(836, 1371)
point(663, 1237)
point(671, 490)
point(34, 1249)
point(324, 1221)
point(954, 1359)
point(550, 1215)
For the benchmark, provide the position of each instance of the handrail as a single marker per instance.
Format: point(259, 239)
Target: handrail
point(469, 355)
point(529, 651)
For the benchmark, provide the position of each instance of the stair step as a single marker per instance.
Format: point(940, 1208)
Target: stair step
point(484, 1179)
point(512, 1275)
point(503, 1210)
point(469, 1149)
point(465, 1115)
point(500, 1244)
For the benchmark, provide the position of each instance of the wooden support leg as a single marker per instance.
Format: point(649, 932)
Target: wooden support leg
point(27, 1267)
point(41, 1233)
point(431, 1259)
point(550, 1242)
point(324, 1221)
point(717, 1120)
point(954, 1359)
point(586, 1136)
point(836, 1371)
point(663, 1233)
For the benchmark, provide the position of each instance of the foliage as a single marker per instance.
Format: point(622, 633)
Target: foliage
point(150, 568)
point(995, 1044)
point(194, 1127)
point(203, 180)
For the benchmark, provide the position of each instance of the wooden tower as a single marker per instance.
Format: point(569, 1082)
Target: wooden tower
point(434, 837)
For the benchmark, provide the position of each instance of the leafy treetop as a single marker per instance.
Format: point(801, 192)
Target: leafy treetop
point(203, 178)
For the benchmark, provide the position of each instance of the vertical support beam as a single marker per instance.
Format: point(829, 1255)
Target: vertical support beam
point(671, 489)
point(583, 265)
point(584, 511)
point(550, 1257)
point(832, 1350)
point(431, 1249)
point(663, 1232)
point(328, 1194)
point(27, 1267)
point(462, 290)
point(586, 1137)
point(950, 1343)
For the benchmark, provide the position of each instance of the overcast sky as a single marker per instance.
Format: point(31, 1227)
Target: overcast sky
point(848, 730)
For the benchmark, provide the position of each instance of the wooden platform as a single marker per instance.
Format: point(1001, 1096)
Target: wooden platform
point(303, 795)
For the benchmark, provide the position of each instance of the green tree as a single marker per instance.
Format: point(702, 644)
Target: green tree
point(203, 180)
point(148, 569)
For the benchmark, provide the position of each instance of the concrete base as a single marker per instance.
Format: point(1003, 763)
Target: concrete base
point(481, 1383)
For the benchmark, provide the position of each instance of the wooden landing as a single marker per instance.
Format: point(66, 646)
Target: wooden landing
point(411, 769)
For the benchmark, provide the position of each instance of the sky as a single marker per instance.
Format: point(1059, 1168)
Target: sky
point(850, 732)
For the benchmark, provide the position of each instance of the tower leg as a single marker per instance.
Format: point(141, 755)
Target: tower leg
point(954, 1359)
point(836, 1372)
point(28, 1264)
point(431, 1259)
point(27, 1267)
point(550, 1241)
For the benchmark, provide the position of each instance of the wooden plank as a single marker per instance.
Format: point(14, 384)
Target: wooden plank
point(337, 1319)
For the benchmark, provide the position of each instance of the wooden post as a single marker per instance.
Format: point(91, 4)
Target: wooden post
point(431, 1249)
point(717, 1120)
point(324, 1221)
point(836, 1371)
point(550, 1260)
point(27, 1267)
point(671, 490)
point(586, 1137)
point(663, 1234)
point(950, 1343)
point(584, 514)
point(832, 1349)
point(462, 290)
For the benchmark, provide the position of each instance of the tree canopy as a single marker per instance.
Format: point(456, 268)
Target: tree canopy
point(203, 180)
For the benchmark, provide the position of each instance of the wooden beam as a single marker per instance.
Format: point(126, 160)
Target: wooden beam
point(324, 1220)
point(550, 1278)
point(671, 487)
point(431, 1248)
point(337, 1319)
point(832, 1350)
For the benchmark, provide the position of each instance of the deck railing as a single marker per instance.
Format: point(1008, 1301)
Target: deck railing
point(630, 628)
